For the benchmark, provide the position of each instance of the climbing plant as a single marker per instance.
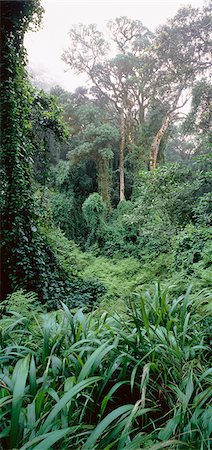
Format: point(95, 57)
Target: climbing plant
point(19, 221)
point(94, 210)
point(26, 256)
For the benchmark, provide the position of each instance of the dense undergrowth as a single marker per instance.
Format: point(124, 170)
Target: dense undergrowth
point(132, 368)
point(163, 233)
point(91, 381)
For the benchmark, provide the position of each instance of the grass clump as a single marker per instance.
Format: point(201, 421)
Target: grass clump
point(108, 382)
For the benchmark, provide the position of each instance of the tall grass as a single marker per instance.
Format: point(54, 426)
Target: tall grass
point(88, 382)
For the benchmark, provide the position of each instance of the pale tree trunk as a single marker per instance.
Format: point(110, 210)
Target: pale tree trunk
point(104, 181)
point(154, 149)
point(121, 163)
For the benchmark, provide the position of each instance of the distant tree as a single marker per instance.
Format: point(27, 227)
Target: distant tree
point(96, 141)
point(93, 210)
point(199, 118)
point(47, 133)
point(180, 146)
point(150, 72)
point(181, 51)
point(113, 79)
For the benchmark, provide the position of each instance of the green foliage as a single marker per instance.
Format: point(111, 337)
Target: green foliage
point(21, 302)
point(64, 212)
point(89, 381)
point(176, 188)
point(23, 254)
point(94, 210)
point(203, 210)
point(199, 118)
point(120, 276)
point(165, 200)
point(27, 117)
point(47, 130)
point(190, 245)
point(96, 141)
point(163, 227)
point(120, 237)
point(69, 187)
point(85, 293)
point(65, 280)
point(138, 377)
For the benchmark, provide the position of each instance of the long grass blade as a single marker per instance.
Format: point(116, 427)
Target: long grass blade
point(22, 369)
point(65, 399)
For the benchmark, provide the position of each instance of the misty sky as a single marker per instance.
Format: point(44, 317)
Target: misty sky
point(46, 46)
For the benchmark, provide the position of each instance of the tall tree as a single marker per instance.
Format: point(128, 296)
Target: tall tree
point(148, 70)
point(97, 144)
point(114, 79)
point(181, 51)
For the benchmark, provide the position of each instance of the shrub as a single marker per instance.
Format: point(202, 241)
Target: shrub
point(93, 210)
point(26, 303)
point(64, 212)
point(189, 246)
point(76, 290)
point(203, 210)
point(85, 292)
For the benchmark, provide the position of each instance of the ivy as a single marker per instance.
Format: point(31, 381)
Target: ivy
point(24, 254)
point(29, 260)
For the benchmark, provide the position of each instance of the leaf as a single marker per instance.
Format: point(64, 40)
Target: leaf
point(32, 377)
point(104, 424)
point(94, 360)
point(160, 446)
point(65, 399)
point(189, 389)
point(48, 439)
point(21, 368)
point(144, 316)
point(169, 429)
point(110, 393)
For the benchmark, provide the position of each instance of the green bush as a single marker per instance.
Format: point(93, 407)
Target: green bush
point(203, 210)
point(25, 303)
point(61, 276)
point(189, 246)
point(64, 212)
point(85, 292)
point(94, 210)
point(75, 289)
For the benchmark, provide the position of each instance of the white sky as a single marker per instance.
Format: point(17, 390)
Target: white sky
point(46, 46)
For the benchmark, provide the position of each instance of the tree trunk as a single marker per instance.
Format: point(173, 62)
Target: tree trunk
point(154, 149)
point(121, 164)
point(104, 181)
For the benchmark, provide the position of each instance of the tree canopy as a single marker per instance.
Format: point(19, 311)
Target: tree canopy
point(148, 68)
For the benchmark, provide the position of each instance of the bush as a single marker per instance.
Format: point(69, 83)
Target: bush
point(203, 210)
point(25, 303)
point(189, 246)
point(74, 289)
point(93, 210)
point(64, 213)
point(85, 293)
